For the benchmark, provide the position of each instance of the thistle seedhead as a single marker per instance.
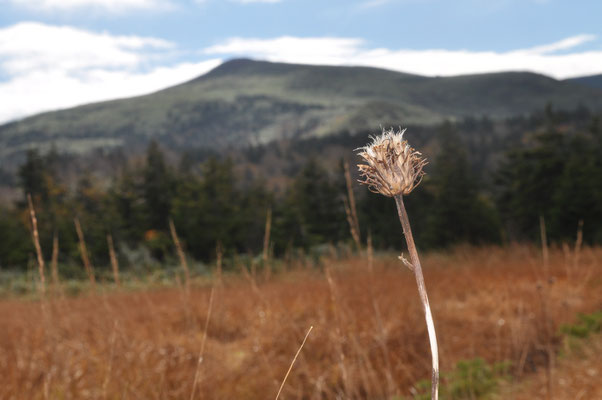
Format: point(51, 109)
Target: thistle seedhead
point(393, 167)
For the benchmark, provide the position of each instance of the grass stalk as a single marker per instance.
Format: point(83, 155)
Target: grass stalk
point(219, 252)
point(114, 262)
point(107, 379)
point(36, 242)
point(293, 362)
point(578, 244)
point(370, 253)
point(202, 350)
point(548, 345)
point(55, 260)
point(84, 253)
point(544, 244)
point(181, 255)
point(351, 210)
point(266, 243)
point(417, 269)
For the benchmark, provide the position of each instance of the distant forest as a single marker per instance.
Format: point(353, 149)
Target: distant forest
point(487, 182)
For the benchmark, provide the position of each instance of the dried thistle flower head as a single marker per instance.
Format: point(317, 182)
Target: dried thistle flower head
point(393, 167)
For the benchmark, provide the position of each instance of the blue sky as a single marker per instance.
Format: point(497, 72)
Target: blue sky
point(60, 53)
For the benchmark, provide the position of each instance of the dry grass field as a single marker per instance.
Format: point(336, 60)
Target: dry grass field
point(576, 377)
point(369, 338)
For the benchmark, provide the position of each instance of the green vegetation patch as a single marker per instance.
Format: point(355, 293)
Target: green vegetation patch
point(587, 324)
point(470, 379)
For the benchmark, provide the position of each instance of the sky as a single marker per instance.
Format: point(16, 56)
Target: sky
point(57, 54)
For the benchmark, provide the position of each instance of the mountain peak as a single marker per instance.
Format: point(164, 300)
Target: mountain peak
point(247, 66)
point(234, 65)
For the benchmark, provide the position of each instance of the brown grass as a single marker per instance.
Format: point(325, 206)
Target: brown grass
point(577, 376)
point(142, 345)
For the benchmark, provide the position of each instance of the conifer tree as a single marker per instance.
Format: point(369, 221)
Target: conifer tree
point(157, 188)
point(459, 212)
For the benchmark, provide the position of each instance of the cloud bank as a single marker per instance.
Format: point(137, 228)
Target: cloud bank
point(552, 59)
point(44, 67)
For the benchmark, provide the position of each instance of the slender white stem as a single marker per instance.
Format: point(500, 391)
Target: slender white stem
point(407, 230)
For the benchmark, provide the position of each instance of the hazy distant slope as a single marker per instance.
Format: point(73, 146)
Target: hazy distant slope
point(594, 81)
point(244, 101)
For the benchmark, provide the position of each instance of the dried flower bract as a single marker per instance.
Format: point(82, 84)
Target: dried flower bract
point(393, 167)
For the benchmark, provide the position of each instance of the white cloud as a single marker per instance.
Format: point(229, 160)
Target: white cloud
point(432, 62)
point(50, 67)
point(322, 50)
point(32, 46)
point(564, 44)
point(109, 5)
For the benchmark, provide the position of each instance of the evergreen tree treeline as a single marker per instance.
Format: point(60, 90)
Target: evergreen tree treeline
point(555, 176)
point(556, 173)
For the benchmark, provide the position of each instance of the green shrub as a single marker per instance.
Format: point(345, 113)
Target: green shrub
point(470, 379)
point(588, 323)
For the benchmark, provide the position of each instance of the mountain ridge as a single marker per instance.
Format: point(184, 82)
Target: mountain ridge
point(243, 102)
point(594, 81)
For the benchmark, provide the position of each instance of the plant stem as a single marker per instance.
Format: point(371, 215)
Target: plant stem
point(36, 242)
point(407, 230)
point(181, 255)
point(202, 350)
point(54, 261)
point(84, 253)
point(114, 262)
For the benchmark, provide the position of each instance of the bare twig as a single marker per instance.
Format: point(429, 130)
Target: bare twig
point(406, 262)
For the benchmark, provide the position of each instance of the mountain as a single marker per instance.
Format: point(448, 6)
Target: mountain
point(594, 81)
point(244, 102)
